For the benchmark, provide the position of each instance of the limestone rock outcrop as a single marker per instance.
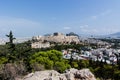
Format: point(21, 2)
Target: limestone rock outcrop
point(71, 74)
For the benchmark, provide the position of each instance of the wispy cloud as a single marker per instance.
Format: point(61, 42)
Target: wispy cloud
point(87, 29)
point(83, 26)
point(98, 30)
point(66, 28)
point(94, 17)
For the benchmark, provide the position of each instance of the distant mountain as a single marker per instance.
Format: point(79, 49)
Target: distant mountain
point(116, 34)
point(109, 36)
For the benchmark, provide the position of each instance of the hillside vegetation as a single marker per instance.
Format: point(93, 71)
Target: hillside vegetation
point(17, 60)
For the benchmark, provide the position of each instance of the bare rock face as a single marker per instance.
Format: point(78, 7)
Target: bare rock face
point(45, 75)
point(71, 74)
point(84, 74)
point(12, 71)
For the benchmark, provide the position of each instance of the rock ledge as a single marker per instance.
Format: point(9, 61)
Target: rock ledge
point(71, 74)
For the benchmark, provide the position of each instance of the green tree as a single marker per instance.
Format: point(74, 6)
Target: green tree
point(60, 66)
point(3, 60)
point(51, 59)
point(83, 64)
point(11, 38)
point(11, 47)
point(117, 74)
point(74, 64)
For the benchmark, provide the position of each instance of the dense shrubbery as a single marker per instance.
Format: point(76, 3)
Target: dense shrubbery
point(48, 60)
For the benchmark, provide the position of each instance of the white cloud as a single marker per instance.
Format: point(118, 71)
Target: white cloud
point(94, 17)
point(67, 28)
point(89, 31)
point(83, 27)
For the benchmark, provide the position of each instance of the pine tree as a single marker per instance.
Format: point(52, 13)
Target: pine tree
point(11, 47)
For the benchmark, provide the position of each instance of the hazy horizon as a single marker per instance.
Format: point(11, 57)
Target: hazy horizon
point(38, 17)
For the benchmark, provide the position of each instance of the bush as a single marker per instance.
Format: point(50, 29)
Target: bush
point(61, 66)
point(3, 60)
point(50, 60)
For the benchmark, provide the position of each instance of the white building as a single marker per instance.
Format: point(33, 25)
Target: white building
point(40, 45)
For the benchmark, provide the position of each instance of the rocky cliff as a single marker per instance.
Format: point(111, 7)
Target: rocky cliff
point(71, 74)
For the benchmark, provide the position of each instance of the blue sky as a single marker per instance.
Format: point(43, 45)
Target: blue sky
point(37, 17)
